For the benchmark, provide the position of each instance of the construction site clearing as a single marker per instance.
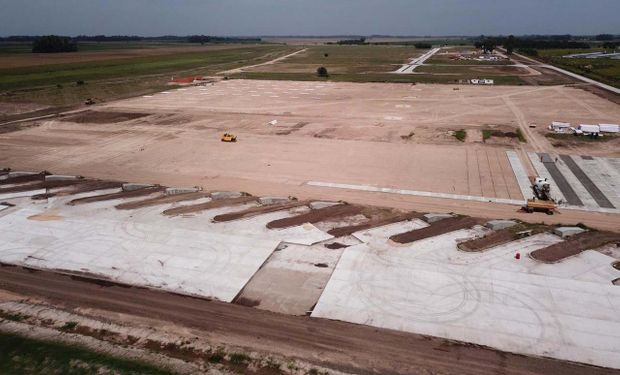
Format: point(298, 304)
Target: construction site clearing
point(338, 201)
point(499, 283)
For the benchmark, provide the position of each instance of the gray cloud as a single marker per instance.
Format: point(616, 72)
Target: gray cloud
point(304, 17)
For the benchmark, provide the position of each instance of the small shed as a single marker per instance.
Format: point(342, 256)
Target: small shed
point(559, 127)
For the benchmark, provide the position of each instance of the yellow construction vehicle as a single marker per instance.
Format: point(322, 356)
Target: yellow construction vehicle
point(539, 205)
point(228, 137)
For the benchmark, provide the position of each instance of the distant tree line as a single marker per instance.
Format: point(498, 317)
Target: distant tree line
point(359, 41)
point(53, 44)
point(202, 39)
point(104, 38)
point(529, 44)
point(605, 37)
point(134, 38)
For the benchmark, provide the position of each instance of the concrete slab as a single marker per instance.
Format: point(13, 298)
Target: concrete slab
point(581, 191)
point(567, 231)
point(225, 194)
point(592, 188)
point(500, 224)
point(602, 173)
point(317, 205)
point(135, 186)
point(413, 192)
point(21, 194)
point(434, 217)
point(204, 263)
point(292, 279)
point(567, 190)
point(142, 247)
point(273, 200)
point(488, 298)
point(520, 174)
point(556, 193)
point(181, 190)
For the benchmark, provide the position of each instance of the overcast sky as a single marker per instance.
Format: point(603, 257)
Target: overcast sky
point(308, 17)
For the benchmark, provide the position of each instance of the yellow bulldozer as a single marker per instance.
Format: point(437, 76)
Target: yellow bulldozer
point(228, 137)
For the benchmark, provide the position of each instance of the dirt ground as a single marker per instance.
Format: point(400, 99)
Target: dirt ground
point(574, 245)
point(436, 229)
point(316, 216)
point(352, 134)
point(363, 350)
point(492, 239)
point(101, 117)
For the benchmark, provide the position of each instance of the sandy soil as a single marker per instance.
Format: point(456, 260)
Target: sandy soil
point(363, 350)
point(315, 216)
point(193, 208)
point(438, 228)
point(352, 134)
point(490, 240)
point(574, 245)
point(255, 211)
point(32, 59)
point(350, 229)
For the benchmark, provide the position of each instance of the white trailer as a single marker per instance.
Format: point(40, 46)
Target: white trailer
point(589, 129)
point(609, 128)
point(560, 127)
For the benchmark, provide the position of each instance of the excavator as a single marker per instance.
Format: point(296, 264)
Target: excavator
point(542, 200)
point(228, 137)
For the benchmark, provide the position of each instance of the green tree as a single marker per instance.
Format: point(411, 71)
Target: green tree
point(509, 44)
point(53, 44)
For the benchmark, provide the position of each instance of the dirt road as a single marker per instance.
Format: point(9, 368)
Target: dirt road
point(338, 345)
point(240, 70)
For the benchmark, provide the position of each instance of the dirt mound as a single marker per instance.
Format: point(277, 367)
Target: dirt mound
point(208, 206)
point(42, 185)
point(161, 200)
point(335, 245)
point(438, 228)
point(292, 129)
point(574, 245)
point(493, 239)
point(100, 117)
point(255, 211)
point(315, 216)
point(119, 195)
point(345, 231)
point(87, 186)
point(23, 179)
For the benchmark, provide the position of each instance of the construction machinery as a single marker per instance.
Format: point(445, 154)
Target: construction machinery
point(542, 200)
point(542, 189)
point(228, 137)
point(538, 205)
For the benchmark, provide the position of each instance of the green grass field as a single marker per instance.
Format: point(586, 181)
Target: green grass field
point(368, 63)
point(350, 59)
point(119, 78)
point(23, 356)
point(602, 70)
point(207, 62)
point(26, 47)
point(378, 77)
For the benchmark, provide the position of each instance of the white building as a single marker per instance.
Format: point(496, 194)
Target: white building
point(560, 127)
